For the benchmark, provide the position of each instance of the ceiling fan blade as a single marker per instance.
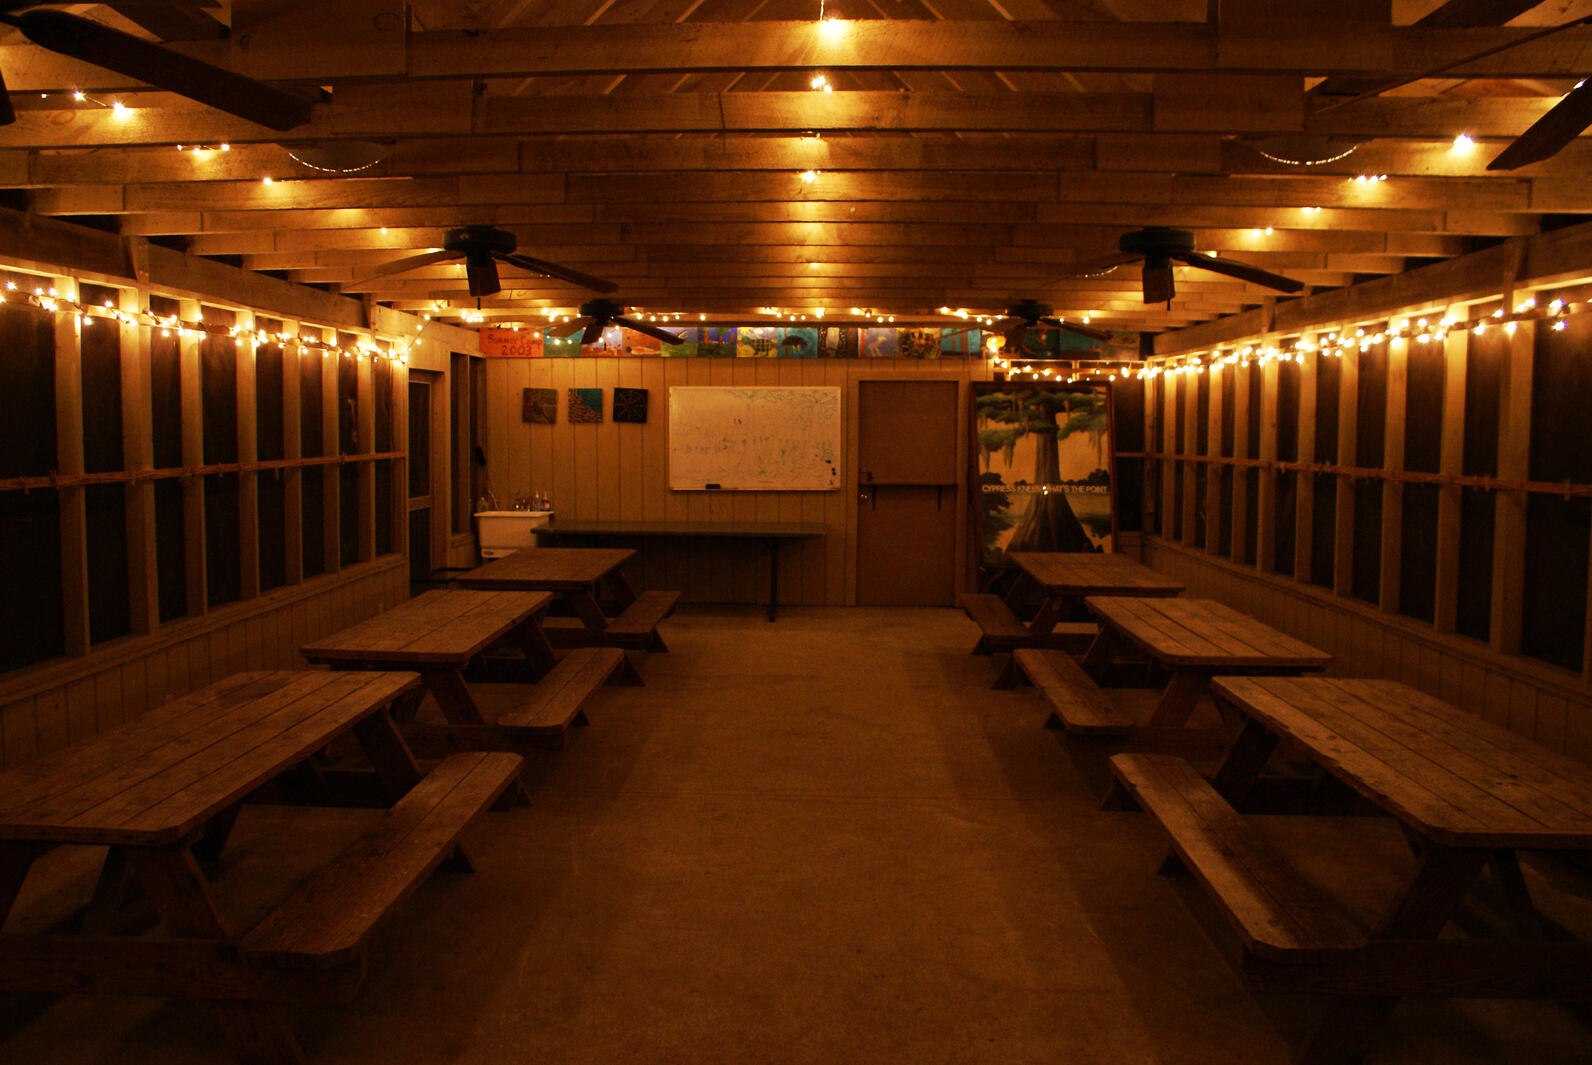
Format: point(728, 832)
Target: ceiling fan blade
point(651, 330)
point(1158, 284)
point(399, 266)
point(1242, 271)
point(163, 68)
point(1081, 330)
point(569, 328)
point(1102, 265)
point(593, 333)
point(563, 273)
point(1550, 133)
point(481, 273)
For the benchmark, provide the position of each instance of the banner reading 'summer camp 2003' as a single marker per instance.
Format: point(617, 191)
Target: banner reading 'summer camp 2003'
point(1044, 460)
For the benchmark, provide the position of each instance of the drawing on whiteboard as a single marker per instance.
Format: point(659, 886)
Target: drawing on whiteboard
point(750, 439)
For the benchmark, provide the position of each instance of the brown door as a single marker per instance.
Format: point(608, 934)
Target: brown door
point(906, 493)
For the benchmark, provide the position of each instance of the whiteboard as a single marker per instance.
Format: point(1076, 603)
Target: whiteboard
point(751, 439)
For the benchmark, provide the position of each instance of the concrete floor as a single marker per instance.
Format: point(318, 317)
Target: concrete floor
point(819, 841)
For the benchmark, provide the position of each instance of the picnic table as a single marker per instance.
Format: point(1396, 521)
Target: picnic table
point(575, 574)
point(1067, 577)
point(1194, 639)
point(437, 634)
point(1467, 793)
point(169, 784)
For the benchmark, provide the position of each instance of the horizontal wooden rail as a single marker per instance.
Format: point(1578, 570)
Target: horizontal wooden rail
point(54, 480)
point(1567, 489)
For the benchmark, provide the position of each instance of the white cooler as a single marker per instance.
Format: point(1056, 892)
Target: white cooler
point(503, 532)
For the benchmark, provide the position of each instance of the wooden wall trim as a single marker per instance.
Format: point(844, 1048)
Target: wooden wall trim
point(30, 681)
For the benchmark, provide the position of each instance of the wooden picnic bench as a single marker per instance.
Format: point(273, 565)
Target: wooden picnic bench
point(438, 633)
point(1467, 793)
point(574, 574)
point(151, 790)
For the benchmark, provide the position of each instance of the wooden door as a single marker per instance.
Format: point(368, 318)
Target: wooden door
point(906, 493)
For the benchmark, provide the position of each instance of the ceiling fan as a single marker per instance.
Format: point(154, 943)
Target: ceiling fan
point(146, 61)
point(1546, 137)
point(598, 313)
point(1031, 314)
point(1159, 247)
point(482, 248)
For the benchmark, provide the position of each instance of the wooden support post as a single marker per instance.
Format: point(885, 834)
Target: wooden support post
point(138, 453)
point(331, 478)
point(1189, 446)
point(399, 495)
point(1514, 465)
point(1266, 496)
point(1398, 356)
point(1305, 483)
point(1451, 461)
point(248, 451)
point(292, 448)
point(73, 499)
point(193, 454)
point(1151, 420)
point(1241, 431)
point(365, 472)
point(1169, 466)
point(1348, 441)
point(1214, 515)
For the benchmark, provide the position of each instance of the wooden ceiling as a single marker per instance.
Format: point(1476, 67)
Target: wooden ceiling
point(970, 153)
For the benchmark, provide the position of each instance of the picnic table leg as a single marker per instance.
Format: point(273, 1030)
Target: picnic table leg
point(1107, 644)
point(1442, 877)
point(15, 857)
point(623, 593)
point(533, 641)
point(174, 883)
point(453, 695)
point(585, 606)
point(1177, 701)
point(1050, 611)
point(395, 766)
point(1245, 760)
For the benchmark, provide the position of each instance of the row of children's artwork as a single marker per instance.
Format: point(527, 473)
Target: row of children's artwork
point(584, 406)
point(770, 342)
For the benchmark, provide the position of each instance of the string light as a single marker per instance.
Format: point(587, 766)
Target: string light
point(172, 325)
point(1336, 344)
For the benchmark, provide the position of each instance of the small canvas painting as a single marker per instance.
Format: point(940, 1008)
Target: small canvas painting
point(837, 342)
point(585, 406)
point(961, 341)
point(881, 343)
point(539, 406)
point(630, 404)
point(919, 344)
